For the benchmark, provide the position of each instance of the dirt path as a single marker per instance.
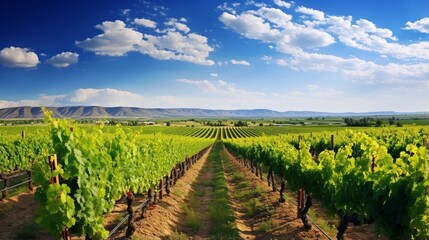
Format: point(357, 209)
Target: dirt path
point(18, 216)
point(282, 218)
point(167, 216)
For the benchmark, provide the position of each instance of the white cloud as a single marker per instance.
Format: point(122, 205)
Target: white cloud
point(219, 87)
point(226, 7)
point(281, 3)
point(145, 22)
point(271, 25)
point(177, 25)
point(125, 11)
point(358, 69)
point(18, 57)
point(273, 15)
point(315, 14)
point(240, 62)
point(205, 85)
point(116, 40)
point(226, 95)
point(173, 45)
point(102, 97)
point(250, 26)
point(63, 59)
point(106, 97)
point(365, 35)
point(213, 74)
point(421, 25)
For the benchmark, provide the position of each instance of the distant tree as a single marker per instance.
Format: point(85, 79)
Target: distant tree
point(261, 124)
point(168, 124)
point(378, 123)
point(398, 124)
point(240, 123)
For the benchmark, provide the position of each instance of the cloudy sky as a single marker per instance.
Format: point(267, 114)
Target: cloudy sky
point(334, 56)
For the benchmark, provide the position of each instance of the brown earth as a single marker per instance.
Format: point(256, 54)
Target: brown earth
point(17, 214)
point(166, 217)
point(285, 217)
point(18, 217)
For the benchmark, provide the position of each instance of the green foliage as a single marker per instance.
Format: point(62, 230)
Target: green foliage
point(220, 211)
point(97, 168)
point(359, 176)
point(267, 225)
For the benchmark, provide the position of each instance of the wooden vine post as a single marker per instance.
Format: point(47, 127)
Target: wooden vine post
point(332, 142)
point(53, 164)
point(301, 194)
point(130, 227)
point(5, 184)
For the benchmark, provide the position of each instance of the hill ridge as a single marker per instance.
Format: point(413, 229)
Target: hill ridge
point(26, 112)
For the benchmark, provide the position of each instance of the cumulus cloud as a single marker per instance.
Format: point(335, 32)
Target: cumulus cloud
point(226, 7)
point(18, 57)
point(213, 74)
point(218, 87)
point(365, 35)
point(176, 43)
point(106, 97)
point(315, 14)
point(116, 39)
point(272, 25)
point(63, 59)
point(281, 3)
point(421, 25)
point(240, 62)
point(358, 69)
point(226, 95)
point(102, 97)
point(177, 25)
point(145, 22)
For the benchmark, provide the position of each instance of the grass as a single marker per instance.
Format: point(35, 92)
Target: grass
point(220, 210)
point(192, 220)
point(237, 177)
point(178, 236)
point(177, 192)
point(250, 197)
point(266, 226)
point(254, 206)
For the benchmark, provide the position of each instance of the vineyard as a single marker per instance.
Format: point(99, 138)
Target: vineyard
point(367, 176)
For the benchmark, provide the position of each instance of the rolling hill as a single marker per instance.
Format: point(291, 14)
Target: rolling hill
point(151, 113)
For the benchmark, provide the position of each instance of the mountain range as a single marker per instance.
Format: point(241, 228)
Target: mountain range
point(156, 113)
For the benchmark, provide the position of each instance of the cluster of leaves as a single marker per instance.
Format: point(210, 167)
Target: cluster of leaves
point(19, 154)
point(97, 168)
point(359, 177)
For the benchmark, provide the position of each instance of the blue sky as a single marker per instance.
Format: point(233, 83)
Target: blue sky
point(333, 56)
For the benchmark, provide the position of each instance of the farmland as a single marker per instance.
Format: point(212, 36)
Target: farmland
point(98, 164)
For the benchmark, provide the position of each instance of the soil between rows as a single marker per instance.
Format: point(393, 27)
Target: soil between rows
point(166, 218)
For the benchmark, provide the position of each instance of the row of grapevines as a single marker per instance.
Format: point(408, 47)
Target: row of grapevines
point(396, 140)
point(97, 168)
point(361, 177)
point(19, 154)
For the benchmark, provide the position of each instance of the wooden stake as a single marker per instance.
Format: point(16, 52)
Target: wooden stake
point(53, 164)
